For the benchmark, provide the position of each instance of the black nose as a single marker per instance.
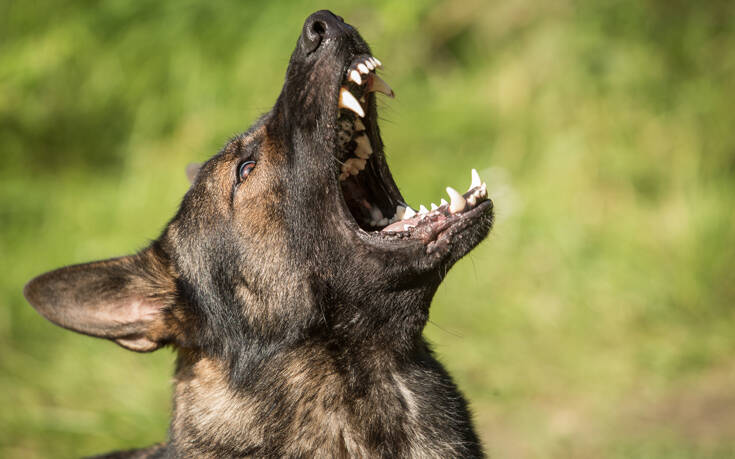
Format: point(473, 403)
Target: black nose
point(317, 27)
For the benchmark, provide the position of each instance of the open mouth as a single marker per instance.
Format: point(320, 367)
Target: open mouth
point(367, 186)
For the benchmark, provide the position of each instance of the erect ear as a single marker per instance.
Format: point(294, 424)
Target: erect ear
point(192, 170)
point(127, 299)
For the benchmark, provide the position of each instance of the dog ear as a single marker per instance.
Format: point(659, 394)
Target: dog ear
point(127, 300)
point(192, 170)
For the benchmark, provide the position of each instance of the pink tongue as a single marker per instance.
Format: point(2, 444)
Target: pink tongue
point(398, 226)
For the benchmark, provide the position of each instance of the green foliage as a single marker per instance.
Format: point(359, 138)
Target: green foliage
point(596, 321)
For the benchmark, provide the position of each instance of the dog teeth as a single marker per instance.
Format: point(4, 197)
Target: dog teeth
point(362, 68)
point(369, 64)
point(376, 214)
point(423, 210)
point(443, 202)
point(476, 181)
point(348, 101)
point(400, 210)
point(375, 83)
point(363, 149)
point(354, 76)
point(433, 207)
point(410, 213)
point(458, 202)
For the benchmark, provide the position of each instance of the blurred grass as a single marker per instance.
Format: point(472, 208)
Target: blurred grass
point(596, 321)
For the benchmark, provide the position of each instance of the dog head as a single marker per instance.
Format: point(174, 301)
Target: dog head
point(294, 230)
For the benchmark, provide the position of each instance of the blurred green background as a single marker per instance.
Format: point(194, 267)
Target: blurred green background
point(597, 320)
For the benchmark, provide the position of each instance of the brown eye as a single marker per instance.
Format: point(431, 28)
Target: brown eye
point(243, 170)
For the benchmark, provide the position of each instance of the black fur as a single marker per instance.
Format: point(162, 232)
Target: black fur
point(298, 332)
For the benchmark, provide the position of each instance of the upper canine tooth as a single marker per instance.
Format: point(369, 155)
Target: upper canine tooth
point(475, 179)
point(408, 214)
point(423, 210)
point(375, 83)
point(362, 68)
point(363, 149)
point(354, 75)
point(348, 101)
point(458, 202)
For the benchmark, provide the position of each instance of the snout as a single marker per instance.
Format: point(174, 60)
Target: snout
point(320, 27)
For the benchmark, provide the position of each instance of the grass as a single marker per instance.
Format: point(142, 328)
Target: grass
point(595, 321)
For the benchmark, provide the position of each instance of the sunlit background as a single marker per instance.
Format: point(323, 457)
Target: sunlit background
point(597, 320)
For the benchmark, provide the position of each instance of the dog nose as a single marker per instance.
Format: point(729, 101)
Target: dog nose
point(317, 27)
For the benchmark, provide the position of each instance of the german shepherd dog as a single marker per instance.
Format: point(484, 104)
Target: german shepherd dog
point(294, 283)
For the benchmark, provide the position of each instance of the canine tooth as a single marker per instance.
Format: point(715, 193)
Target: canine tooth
point(348, 101)
point(378, 84)
point(358, 125)
point(458, 202)
point(475, 179)
point(434, 207)
point(443, 202)
point(354, 75)
point(362, 68)
point(423, 210)
point(408, 214)
point(363, 149)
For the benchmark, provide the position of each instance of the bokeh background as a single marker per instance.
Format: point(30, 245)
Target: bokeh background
point(597, 319)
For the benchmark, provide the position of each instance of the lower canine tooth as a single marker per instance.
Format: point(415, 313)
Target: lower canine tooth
point(475, 179)
point(458, 202)
point(348, 101)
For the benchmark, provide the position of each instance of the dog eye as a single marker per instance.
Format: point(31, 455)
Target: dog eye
point(243, 170)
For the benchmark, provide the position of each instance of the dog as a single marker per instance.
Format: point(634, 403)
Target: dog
point(294, 283)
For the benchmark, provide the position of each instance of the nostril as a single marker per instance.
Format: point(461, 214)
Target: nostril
point(319, 28)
